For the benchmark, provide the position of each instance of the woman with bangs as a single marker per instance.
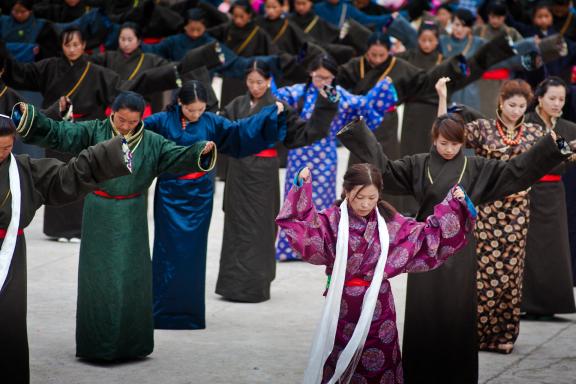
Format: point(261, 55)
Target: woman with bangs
point(447, 296)
point(502, 226)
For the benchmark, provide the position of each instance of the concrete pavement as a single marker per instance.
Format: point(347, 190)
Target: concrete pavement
point(243, 343)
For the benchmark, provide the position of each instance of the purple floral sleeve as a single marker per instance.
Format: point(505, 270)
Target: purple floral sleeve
point(309, 232)
point(423, 246)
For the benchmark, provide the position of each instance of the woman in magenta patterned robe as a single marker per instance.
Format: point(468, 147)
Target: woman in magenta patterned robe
point(413, 247)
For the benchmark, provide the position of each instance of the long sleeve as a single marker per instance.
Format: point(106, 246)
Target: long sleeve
point(397, 174)
point(25, 76)
point(423, 246)
point(163, 49)
point(291, 94)
point(497, 179)
point(61, 183)
point(401, 29)
point(250, 135)
point(35, 128)
point(309, 232)
point(179, 159)
point(300, 132)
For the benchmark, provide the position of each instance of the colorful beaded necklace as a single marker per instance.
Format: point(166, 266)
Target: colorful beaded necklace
point(507, 138)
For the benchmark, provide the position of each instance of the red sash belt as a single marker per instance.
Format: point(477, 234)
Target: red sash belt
point(550, 178)
point(271, 152)
point(497, 74)
point(357, 282)
point(76, 116)
point(391, 109)
point(4, 231)
point(151, 40)
point(192, 176)
point(105, 194)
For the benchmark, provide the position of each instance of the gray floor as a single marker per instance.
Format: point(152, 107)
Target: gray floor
point(243, 343)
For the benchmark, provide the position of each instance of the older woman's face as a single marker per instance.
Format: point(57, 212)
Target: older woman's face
point(553, 101)
point(257, 84)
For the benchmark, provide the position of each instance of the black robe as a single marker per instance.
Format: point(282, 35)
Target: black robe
point(252, 201)
point(240, 41)
point(42, 181)
point(53, 78)
point(440, 343)
point(547, 287)
point(413, 83)
point(9, 97)
point(128, 67)
point(323, 33)
point(284, 34)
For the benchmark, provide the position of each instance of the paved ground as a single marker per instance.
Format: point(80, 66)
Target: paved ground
point(243, 343)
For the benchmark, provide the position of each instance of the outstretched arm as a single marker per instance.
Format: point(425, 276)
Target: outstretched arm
point(442, 91)
point(397, 174)
point(35, 128)
point(61, 183)
point(308, 231)
point(430, 243)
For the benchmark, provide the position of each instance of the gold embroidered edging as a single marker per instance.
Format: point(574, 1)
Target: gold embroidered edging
point(248, 40)
point(140, 61)
point(459, 178)
point(80, 80)
point(212, 161)
point(312, 24)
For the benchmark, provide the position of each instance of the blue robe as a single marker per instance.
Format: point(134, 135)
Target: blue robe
point(333, 14)
point(183, 209)
point(21, 38)
point(321, 157)
point(175, 47)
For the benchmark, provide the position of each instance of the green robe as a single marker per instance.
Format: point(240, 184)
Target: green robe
point(114, 311)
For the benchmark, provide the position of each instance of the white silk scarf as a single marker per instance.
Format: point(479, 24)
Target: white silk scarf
point(9, 243)
point(323, 343)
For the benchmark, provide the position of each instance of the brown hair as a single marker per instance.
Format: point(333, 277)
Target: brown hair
point(450, 126)
point(365, 175)
point(515, 87)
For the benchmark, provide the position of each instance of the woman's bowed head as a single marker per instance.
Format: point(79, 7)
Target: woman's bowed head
point(362, 188)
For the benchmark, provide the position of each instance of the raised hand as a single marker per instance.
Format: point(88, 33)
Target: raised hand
point(458, 193)
point(280, 107)
point(304, 174)
point(441, 88)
